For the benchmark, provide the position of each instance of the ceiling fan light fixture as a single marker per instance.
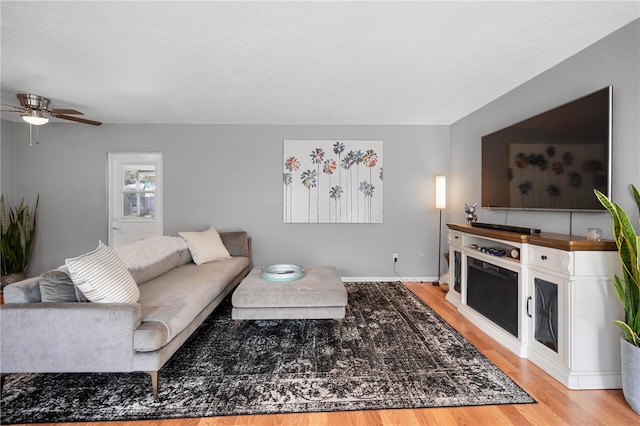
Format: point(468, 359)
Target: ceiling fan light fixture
point(35, 118)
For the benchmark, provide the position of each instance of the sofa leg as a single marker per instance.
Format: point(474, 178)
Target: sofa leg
point(340, 325)
point(154, 382)
point(2, 375)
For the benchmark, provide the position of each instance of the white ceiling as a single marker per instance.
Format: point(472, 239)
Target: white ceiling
point(417, 62)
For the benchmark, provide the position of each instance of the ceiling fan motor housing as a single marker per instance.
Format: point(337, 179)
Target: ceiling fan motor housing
point(30, 101)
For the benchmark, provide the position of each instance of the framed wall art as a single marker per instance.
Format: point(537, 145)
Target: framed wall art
point(332, 181)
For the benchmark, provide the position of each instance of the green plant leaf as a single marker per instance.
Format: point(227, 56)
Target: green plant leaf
point(620, 289)
point(17, 236)
point(2, 215)
point(627, 288)
point(612, 211)
point(628, 333)
point(636, 196)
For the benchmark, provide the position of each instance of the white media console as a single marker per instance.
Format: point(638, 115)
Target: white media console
point(549, 299)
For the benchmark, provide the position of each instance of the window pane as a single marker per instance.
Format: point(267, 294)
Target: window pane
point(129, 180)
point(147, 180)
point(138, 205)
point(135, 178)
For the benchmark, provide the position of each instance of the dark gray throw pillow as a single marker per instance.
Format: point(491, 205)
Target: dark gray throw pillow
point(56, 286)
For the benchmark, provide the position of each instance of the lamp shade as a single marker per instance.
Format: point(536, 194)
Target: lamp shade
point(35, 118)
point(441, 192)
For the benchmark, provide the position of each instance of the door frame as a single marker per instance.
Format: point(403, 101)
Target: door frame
point(115, 164)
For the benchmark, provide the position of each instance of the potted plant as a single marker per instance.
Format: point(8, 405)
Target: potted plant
point(628, 291)
point(17, 235)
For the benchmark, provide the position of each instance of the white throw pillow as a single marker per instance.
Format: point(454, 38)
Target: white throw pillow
point(205, 246)
point(102, 277)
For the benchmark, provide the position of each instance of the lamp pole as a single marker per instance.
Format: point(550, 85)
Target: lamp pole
point(437, 281)
point(441, 203)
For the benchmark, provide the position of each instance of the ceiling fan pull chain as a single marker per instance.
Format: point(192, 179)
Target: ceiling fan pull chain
point(31, 135)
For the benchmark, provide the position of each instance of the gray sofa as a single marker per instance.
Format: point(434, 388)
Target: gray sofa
point(64, 337)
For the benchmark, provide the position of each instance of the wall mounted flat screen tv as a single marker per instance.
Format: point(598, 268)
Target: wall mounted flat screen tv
point(551, 161)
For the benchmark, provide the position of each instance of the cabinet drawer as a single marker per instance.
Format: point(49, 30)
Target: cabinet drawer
point(455, 238)
point(551, 259)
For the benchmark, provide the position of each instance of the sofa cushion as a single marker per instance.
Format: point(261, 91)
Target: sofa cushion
point(205, 246)
point(237, 242)
point(150, 336)
point(25, 291)
point(152, 257)
point(175, 298)
point(102, 277)
point(156, 269)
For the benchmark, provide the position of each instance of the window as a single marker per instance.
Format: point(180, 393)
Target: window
point(138, 192)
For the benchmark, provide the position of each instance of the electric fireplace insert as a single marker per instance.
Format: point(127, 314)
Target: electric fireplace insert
point(493, 292)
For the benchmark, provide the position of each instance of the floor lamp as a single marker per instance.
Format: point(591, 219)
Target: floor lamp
point(441, 204)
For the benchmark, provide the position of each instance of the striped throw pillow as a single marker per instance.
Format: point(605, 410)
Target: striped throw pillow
point(102, 277)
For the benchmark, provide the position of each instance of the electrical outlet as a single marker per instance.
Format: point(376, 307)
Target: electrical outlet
point(420, 257)
point(395, 257)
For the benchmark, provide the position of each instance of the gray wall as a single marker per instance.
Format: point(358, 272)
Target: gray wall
point(7, 161)
point(613, 60)
point(230, 177)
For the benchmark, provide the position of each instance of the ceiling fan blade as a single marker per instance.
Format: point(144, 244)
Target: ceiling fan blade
point(77, 119)
point(14, 107)
point(66, 111)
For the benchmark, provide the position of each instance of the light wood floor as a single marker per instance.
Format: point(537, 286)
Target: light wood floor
point(556, 405)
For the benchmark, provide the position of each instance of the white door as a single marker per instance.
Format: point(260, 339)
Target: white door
point(135, 197)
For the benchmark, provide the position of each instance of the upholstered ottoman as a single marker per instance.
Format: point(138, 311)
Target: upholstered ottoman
point(319, 294)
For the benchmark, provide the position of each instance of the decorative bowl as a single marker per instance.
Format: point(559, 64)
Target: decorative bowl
point(282, 272)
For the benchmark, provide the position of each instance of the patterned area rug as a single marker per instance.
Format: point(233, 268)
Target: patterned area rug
point(395, 353)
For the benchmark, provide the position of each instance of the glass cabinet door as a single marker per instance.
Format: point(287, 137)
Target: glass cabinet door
point(546, 313)
point(546, 309)
point(457, 271)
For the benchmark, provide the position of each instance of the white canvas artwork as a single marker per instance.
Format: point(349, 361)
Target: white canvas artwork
point(332, 181)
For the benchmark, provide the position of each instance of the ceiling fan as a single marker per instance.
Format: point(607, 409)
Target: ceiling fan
point(34, 109)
